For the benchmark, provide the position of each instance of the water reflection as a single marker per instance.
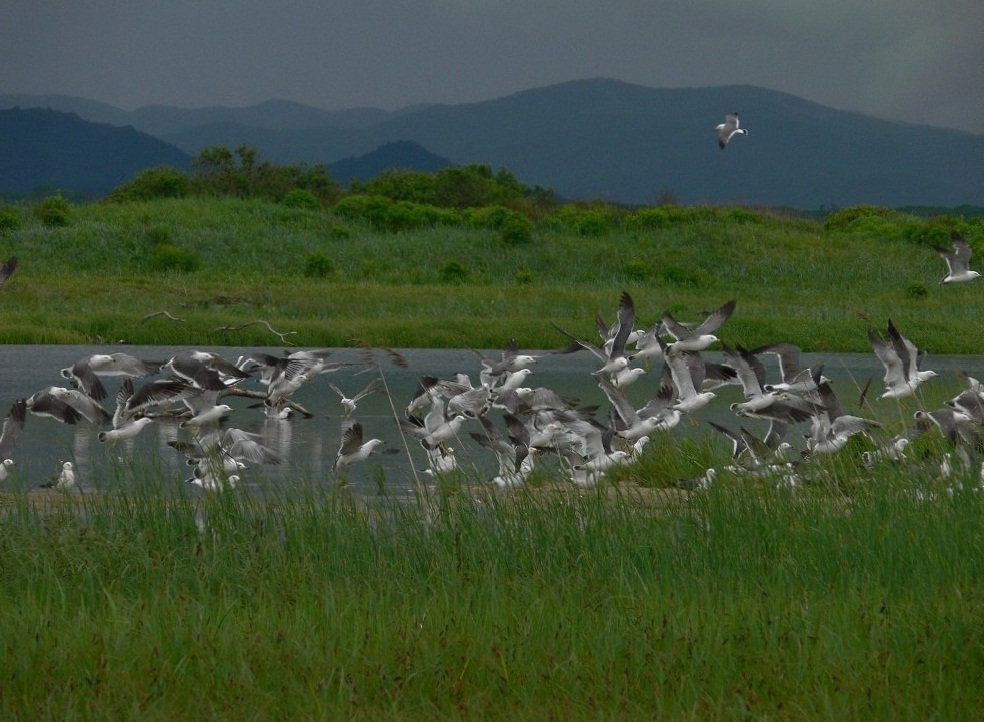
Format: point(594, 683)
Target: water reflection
point(310, 444)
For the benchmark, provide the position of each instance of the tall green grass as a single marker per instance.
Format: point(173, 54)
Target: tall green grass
point(334, 280)
point(735, 603)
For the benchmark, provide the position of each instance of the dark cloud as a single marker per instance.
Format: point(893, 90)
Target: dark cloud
point(917, 61)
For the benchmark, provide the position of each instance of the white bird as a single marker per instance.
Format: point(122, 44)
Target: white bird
point(66, 405)
point(5, 467)
point(64, 481)
point(613, 355)
point(511, 451)
point(902, 361)
point(687, 372)
point(125, 426)
point(728, 129)
point(214, 481)
point(353, 449)
point(13, 425)
point(350, 404)
point(957, 260)
point(85, 372)
point(699, 337)
point(832, 428)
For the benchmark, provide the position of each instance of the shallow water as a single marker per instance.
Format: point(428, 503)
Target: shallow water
point(310, 445)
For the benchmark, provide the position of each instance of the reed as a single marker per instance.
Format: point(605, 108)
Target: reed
point(740, 601)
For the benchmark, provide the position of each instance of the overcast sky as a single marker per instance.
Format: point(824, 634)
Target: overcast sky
point(921, 61)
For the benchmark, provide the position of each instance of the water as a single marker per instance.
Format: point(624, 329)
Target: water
point(310, 445)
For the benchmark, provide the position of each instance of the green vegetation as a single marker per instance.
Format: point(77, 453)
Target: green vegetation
point(855, 596)
point(490, 272)
point(736, 603)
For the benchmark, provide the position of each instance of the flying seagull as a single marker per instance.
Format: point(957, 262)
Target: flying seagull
point(729, 128)
point(957, 260)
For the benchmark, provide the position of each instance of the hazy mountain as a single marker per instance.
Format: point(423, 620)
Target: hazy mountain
point(618, 141)
point(43, 147)
point(161, 120)
point(402, 154)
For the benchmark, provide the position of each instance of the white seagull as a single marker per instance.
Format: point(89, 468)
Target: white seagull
point(902, 361)
point(957, 260)
point(728, 129)
point(353, 449)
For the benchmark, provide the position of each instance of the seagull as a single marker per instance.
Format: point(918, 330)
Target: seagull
point(205, 370)
point(66, 405)
point(957, 260)
point(85, 372)
point(699, 337)
point(902, 362)
point(511, 451)
point(5, 467)
point(613, 356)
point(728, 129)
point(13, 425)
point(350, 404)
point(833, 428)
point(353, 449)
point(687, 372)
point(64, 480)
point(124, 425)
point(213, 481)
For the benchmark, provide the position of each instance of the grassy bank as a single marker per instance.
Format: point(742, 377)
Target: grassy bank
point(734, 603)
point(324, 280)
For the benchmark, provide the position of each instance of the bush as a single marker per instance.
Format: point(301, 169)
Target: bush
point(160, 182)
point(916, 290)
point(55, 211)
point(10, 219)
point(452, 272)
point(302, 199)
point(844, 218)
point(167, 257)
point(157, 235)
point(516, 230)
point(318, 265)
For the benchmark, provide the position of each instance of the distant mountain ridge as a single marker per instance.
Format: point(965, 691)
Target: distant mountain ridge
point(42, 147)
point(607, 139)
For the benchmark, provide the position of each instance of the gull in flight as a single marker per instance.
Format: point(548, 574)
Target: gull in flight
point(902, 361)
point(957, 260)
point(728, 129)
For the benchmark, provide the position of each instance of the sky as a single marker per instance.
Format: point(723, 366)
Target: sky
point(918, 61)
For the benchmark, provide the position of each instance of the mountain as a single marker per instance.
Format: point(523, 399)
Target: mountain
point(607, 139)
point(401, 154)
point(43, 147)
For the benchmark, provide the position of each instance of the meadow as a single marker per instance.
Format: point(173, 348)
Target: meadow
point(329, 280)
point(856, 596)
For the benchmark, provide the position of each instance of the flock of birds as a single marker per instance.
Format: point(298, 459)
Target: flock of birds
point(533, 422)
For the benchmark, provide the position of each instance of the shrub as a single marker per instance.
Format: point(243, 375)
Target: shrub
point(10, 219)
point(916, 290)
point(168, 257)
point(160, 182)
point(318, 265)
point(516, 230)
point(55, 211)
point(637, 269)
point(843, 219)
point(302, 199)
point(157, 235)
point(452, 272)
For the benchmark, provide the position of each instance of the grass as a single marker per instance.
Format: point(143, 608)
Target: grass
point(218, 263)
point(734, 603)
point(855, 596)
